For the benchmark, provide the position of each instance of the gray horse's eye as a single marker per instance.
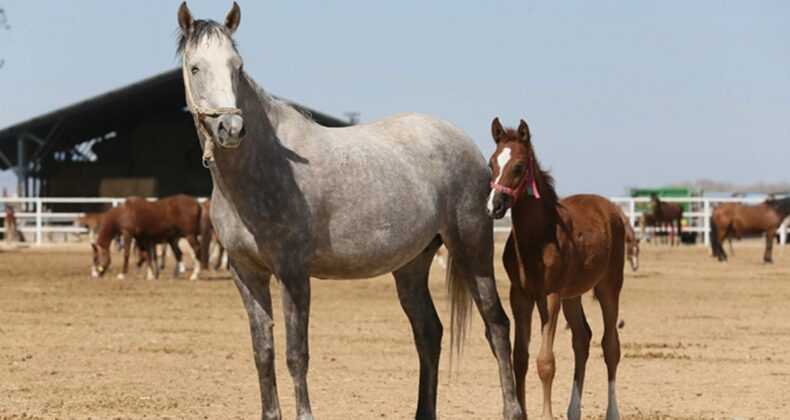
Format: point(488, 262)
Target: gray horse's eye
point(194, 69)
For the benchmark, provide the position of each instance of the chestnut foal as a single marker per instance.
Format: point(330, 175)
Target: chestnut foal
point(557, 251)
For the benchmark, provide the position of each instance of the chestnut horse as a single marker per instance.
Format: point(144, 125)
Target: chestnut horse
point(556, 252)
point(738, 220)
point(669, 213)
point(149, 223)
point(631, 243)
point(207, 236)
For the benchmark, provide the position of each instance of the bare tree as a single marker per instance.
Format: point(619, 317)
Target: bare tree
point(3, 25)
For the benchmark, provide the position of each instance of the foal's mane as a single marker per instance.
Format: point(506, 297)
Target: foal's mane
point(543, 178)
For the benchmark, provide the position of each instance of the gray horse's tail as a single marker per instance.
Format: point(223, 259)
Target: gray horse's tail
point(460, 300)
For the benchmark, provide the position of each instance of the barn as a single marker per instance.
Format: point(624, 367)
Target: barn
point(135, 140)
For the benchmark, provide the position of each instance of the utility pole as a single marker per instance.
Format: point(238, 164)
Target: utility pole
point(353, 117)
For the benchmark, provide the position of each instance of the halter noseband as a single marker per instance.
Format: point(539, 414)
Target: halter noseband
point(199, 114)
point(527, 184)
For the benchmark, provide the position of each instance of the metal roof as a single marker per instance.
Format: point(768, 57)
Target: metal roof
point(96, 116)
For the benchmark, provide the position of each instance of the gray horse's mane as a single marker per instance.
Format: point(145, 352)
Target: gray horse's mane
point(202, 28)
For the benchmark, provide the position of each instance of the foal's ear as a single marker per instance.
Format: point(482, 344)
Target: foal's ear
point(233, 18)
point(185, 20)
point(496, 130)
point(523, 132)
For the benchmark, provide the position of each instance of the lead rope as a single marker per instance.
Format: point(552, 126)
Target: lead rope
point(198, 113)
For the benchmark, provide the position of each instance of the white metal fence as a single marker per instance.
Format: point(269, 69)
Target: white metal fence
point(34, 215)
point(697, 215)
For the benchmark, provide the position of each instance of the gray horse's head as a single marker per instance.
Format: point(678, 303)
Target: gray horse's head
point(212, 68)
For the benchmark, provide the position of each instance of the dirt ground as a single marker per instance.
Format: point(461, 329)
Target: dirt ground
point(701, 340)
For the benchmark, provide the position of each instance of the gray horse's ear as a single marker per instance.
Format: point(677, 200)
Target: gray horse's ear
point(496, 130)
point(523, 132)
point(185, 20)
point(233, 18)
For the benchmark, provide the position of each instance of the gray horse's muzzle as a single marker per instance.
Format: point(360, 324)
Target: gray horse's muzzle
point(228, 130)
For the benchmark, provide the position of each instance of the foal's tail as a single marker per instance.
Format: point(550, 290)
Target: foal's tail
point(460, 300)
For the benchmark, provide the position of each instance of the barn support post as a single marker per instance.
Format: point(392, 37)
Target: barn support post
point(39, 222)
point(21, 167)
point(706, 222)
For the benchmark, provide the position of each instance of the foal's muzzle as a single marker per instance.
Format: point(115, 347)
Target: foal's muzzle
point(228, 130)
point(499, 206)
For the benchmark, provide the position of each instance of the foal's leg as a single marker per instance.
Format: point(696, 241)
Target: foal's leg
point(582, 334)
point(770, 237)
point(415, 299)
point(609, 296)
point(295, 287)
point(522, 304)
point(549, 311)
point(254, 289)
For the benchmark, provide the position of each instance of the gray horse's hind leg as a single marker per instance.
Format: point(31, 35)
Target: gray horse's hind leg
point(471, 251)
point(296, 310)
point(415, 298)
point(254, 290)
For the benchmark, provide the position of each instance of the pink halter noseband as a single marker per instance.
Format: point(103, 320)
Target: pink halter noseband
point(527, 183)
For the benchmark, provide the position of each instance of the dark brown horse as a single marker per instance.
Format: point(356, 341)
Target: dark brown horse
point(207, 237)
point(557, 251)
point(149, 223)
point(669, 213)
point(738, 220)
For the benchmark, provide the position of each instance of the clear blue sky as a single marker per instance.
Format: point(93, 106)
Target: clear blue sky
point(617, 93)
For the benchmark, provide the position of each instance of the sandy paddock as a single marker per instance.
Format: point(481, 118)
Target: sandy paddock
point(701, 340)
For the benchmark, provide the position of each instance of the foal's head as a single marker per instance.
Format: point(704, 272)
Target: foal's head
point(212, 68)
point(513, 168)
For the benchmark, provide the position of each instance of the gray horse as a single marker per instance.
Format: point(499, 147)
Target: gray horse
point(294, 199)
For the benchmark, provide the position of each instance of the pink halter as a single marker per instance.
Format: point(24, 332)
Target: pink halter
point(527, 183)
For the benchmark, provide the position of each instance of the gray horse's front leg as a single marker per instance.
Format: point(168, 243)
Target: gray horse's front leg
point(296, 312)
point(254, 290)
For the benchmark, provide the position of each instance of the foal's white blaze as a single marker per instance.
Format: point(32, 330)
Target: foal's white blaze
point(501, 160)
point(213, 56)
point(612, 413)
point(575, 407)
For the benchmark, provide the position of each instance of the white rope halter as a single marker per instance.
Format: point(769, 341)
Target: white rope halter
point(199, 114)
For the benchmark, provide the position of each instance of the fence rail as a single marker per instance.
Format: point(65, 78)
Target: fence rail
point(37, 218)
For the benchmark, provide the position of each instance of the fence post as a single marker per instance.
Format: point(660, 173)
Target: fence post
point(706, 222)
point(39, 222)
point(632, 212)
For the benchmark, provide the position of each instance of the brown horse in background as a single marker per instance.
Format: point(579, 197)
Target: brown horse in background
point(207, 237)
point(669, 213)
point(738, 220)
point(149, 223)
point(631, 242)
point(556, 252)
